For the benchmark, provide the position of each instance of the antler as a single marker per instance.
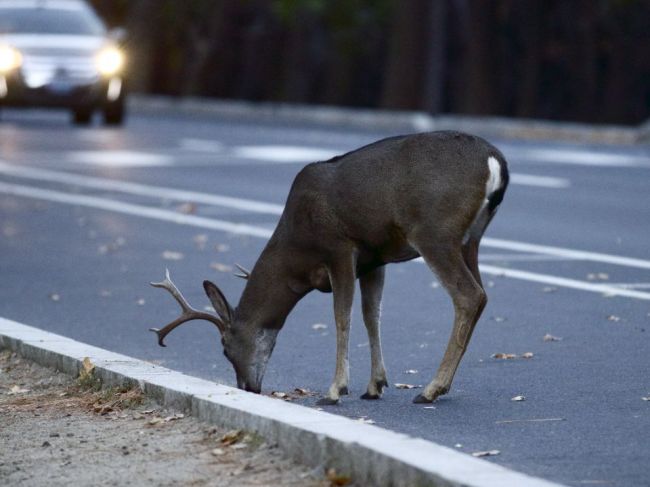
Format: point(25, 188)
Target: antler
point(243, 272)
point(188, 313)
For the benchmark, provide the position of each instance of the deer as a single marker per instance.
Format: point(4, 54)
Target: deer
point(429, 195)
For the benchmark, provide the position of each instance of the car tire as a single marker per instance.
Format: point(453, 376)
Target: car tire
point(114, 112)
point(82, 116)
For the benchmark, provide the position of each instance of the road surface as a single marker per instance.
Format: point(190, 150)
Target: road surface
point(90, 215)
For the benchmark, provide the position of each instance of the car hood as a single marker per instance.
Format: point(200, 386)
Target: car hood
point(48, 42)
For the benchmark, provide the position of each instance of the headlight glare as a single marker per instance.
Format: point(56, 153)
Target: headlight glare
point(10, 59)
point(110, 61)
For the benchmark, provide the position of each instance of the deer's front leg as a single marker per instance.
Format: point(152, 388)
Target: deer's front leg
point(372, 285)
point(342, 277)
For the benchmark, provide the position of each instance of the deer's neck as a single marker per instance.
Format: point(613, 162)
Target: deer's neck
point(267, 298)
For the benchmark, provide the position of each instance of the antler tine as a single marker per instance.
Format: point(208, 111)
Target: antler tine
point(188, 313)
point(244, 273)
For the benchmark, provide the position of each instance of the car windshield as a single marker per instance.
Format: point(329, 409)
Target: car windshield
point(49, 21)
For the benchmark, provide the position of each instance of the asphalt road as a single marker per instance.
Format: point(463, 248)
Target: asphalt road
point(567, 255)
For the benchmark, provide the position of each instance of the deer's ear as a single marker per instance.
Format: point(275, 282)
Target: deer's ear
point(219, 301)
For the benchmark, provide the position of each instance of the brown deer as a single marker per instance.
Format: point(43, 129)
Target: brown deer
point(429, 195)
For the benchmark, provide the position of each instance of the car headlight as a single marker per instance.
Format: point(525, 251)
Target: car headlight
point(110, 61)
point(10, 59)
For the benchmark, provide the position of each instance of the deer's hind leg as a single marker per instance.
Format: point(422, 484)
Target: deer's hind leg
point(372, 285)
point(451, 262)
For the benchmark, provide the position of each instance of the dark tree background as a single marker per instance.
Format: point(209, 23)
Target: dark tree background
point(583, 60)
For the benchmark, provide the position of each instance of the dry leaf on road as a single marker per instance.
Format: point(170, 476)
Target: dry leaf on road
point(319, 326)
point(527, 355)
point(13, 390)
point(518, 398)
point(504, 356)
point(487, 453)
point(551, 338)
point(406, 386)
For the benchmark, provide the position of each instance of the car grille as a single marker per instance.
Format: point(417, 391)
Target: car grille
point(38, 70)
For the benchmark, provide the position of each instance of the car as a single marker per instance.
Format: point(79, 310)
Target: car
point(58, 53)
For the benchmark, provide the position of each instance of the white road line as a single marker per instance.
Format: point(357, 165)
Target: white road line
point(139, 189)
point(273, 209)
point(567, 253)
point(119, 158)
point(255, 231)
point(563, 282)
point(520, 257)
point(630, 285)
point(577, 157)
point(540, 181)
point(283, 153)
point(136, 210)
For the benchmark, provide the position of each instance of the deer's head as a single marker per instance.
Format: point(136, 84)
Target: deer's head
point(248, 348)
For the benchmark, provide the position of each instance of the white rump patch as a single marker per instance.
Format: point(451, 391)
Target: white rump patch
point(494, 179)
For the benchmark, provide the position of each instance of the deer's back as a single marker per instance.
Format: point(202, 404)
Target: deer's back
point(377, 195)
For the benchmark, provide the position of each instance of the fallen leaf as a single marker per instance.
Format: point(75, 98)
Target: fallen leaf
point(406, 386)
point(302, 392)
point(646, 398)
point(319, 326)
point(614, 318)
point(156, 420)
point(527, 355)
point(173, 417)
point(366, 420)
point(187, 208)
point(551, 338)
point(149, 411)
point(171, 255)
point(281, 395)
point(518, 398)
point(55, 297)
point(411, 371)
point(87, 368)
point(504, 356)
point(487, 453)
point(231, 437)
point(219, 267)
point(217, 452)
point(13, 390)
point(337, 479)
point(597, 276)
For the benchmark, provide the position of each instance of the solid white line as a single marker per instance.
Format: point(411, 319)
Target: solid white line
point(273, 209)
point(563, 282)
point(140, 189)
point(136, 210)
point(120, 158)
point(567, 253)
point(283, 153)
point(578, 157)
point(540, 181)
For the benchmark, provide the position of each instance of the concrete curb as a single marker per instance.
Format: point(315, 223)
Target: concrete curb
point(369, 454)
point(387, 120)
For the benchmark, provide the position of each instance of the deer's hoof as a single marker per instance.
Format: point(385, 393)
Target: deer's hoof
point(369, 396)
point(343, 391)
point(327, 401)
point(422, 399)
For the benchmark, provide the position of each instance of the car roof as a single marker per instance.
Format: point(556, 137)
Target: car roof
point(49, 4)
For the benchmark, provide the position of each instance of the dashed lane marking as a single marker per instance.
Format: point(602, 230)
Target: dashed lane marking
point(119, 158)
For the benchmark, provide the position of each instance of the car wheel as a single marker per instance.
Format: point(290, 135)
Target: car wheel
point(82, 116)
point(114, 112)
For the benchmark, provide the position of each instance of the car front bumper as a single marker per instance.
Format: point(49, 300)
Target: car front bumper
point(61, 93)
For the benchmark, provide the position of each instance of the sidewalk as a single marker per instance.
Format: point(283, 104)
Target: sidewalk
point(56, 430)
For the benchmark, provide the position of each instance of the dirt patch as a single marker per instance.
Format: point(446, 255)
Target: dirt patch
point(59, 431)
